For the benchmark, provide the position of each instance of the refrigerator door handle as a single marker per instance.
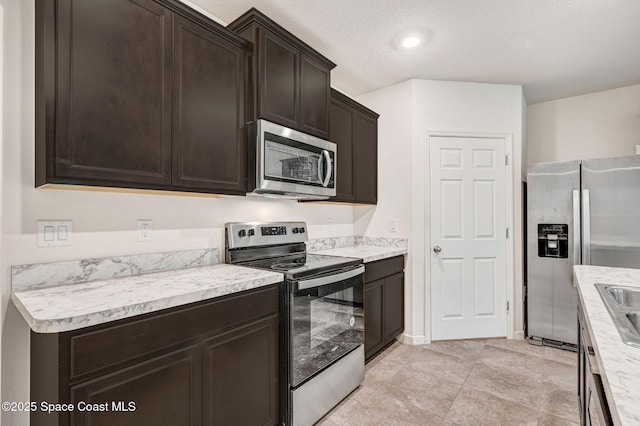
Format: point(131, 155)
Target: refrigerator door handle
point(576, 227)
point(586, 228)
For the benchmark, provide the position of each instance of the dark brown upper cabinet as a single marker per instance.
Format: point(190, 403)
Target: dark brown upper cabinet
point(354, 128)
point(141, 94)
point(291, 81)
point(209, 143)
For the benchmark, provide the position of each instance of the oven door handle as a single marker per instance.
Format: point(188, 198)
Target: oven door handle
point(330, 279)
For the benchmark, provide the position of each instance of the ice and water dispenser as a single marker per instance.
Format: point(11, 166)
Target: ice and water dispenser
point(553, 240)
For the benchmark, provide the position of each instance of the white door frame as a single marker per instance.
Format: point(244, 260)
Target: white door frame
point(510, 249)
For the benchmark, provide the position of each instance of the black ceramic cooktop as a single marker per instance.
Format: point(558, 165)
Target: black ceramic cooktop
point(299, 265)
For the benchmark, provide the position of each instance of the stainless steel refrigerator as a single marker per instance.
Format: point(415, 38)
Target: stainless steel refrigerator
point(578, 212)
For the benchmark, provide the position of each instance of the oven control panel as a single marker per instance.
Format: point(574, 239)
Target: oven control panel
point(252, 234)
point(273, 230)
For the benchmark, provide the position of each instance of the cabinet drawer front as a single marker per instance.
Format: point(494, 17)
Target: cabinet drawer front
point(383, 268)
point(95, 350)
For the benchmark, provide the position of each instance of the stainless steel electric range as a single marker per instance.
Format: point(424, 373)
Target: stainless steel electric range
point(322, 317)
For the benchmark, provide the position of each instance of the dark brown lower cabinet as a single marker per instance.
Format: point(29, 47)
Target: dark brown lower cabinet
point(383, 304)
point(592, 401)
point(208, 363)
point(239, 377)
point(157, 391)
point(373, 321)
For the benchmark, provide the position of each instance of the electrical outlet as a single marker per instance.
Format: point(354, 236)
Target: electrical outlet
point(637, 149)
point(330, 220)
point(393, 225)
point(145, 230)
point(54, 233)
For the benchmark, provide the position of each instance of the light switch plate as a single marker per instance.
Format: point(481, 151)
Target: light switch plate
point(55, 233)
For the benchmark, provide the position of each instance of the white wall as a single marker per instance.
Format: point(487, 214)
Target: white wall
point(1, 156)
point(408, 111)
point(103, 222)
point(602, 124)
point(394, 185)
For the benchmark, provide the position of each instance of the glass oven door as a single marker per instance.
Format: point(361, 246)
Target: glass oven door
point(326, 321)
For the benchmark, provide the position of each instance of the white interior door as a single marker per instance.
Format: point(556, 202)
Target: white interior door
point(468, 237)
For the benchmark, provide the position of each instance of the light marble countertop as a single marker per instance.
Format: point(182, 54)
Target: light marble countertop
point(72, 306)
point(619, 363)
point(366, 253)
point(64, 296)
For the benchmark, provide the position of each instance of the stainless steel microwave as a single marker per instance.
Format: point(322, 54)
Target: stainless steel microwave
point(291, 164)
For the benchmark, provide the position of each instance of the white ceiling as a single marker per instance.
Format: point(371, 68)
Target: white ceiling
point(553, 48)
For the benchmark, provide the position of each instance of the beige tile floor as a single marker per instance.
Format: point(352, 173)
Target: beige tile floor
point(465, 382)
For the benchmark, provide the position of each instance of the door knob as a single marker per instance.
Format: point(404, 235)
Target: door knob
point(437, 249)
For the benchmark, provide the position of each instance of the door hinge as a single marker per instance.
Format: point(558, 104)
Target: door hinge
point(506, 160)
point(506, 233)
point(507, 306)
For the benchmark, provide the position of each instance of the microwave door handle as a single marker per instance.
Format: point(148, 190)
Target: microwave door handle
point(327, 160)
point(320, 168)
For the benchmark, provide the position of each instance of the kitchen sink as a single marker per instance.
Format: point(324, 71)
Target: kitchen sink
point(625, 296)
point(634, 319)
point(623, 304)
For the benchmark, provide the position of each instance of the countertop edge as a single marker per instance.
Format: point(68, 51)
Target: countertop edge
point(103, 316)
point(613, 409)
point(610, 351)
point(353, 251)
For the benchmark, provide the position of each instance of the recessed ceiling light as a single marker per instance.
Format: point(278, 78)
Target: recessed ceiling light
point(410, 42)
point(411, 39)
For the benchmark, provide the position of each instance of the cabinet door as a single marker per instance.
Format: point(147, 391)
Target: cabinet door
point(341, 133)
point(163, 391)
point(373, 317)
point(314, 97)
point(241, 376)
point(209, 110)
point(278, 85)
point(393, 307)
point(366, 159)
point(113, 108)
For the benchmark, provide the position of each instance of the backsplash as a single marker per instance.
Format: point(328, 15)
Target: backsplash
point(330, 243)
point(40, 275)
point(342, 242)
